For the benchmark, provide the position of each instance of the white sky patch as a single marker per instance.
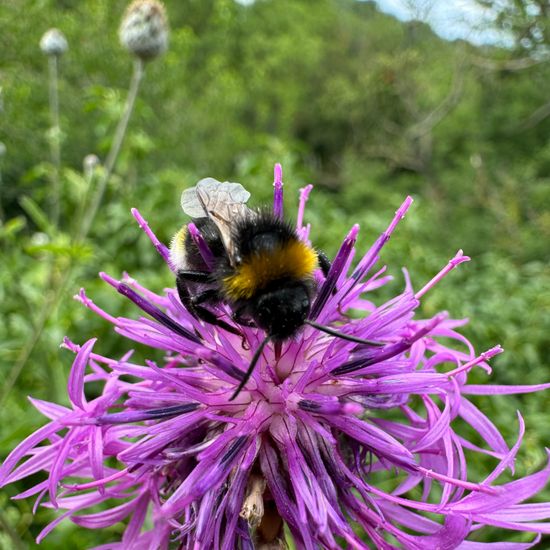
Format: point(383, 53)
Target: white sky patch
point(450, 19)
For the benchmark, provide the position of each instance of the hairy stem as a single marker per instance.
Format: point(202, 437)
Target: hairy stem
point(55, 138)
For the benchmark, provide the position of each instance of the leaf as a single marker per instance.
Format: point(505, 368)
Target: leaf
point(37, 215)
point(12, 227)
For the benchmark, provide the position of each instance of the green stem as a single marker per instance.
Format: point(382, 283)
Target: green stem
point(17, 543)
point(55, 138)
point(46, 312)
point(90, 176)
point(2, 215)
point(114, 151)
point(51, 303)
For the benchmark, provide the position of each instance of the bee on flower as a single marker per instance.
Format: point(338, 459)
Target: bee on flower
point(326, 431)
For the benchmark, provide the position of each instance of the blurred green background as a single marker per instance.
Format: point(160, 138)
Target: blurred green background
point(366, 107)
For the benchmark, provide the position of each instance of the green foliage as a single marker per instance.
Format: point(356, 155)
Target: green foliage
point(368, 108)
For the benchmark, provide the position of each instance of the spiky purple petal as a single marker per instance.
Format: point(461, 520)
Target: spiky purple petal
point(322, 421)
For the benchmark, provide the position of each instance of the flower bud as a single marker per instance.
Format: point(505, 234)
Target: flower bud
point(90, 163)
point(53, 42)
point(144, 29)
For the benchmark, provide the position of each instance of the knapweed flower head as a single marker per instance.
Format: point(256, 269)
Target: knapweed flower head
point(54, 43)
point(302, 449)
point(144, 29)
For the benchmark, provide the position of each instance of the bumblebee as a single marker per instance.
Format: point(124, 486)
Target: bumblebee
point(255, 263)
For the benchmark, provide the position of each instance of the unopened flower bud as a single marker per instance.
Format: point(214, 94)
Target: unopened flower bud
point(144, 29)
point(90, 163)
point(53, 42)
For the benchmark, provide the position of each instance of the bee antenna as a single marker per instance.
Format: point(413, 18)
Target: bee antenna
point(253, 362)
point(342, 335)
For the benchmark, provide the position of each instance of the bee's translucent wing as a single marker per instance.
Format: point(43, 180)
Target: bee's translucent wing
point(222, 202)
point(211, 195)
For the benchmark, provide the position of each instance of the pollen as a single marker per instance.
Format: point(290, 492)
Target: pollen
point(293, 260)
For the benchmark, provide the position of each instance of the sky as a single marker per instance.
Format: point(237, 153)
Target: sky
point(450, 19)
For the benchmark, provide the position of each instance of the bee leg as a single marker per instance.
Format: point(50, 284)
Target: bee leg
point(194, 276)
point(211, 295)
point(240, 319)
point(324, 262)
point(192, 304)
point(208, 317)
point(189, 301)
point(185, 296)
point(208, 295)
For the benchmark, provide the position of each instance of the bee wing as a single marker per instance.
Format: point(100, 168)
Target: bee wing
point(211, 195)
point(222, 202)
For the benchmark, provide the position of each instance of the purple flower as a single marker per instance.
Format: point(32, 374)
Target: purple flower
point(326, 436)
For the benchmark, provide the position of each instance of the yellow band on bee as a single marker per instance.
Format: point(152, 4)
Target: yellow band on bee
point(294, 259)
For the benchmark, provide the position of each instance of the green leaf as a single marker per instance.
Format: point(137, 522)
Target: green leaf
point(12, 227)
point(37, 215)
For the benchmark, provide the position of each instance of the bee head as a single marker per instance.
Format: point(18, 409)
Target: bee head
point(282, 311)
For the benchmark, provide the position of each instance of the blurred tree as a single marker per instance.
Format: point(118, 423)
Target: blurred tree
point(527, 22)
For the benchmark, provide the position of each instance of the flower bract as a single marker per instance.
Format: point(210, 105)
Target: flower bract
point(144, 29)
